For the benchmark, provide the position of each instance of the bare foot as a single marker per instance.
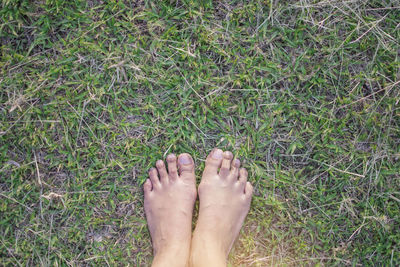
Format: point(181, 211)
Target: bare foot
point(168, 202)
point(225, 197)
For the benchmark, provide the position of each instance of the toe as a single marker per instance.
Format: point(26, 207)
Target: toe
point(226, 164)
point(154, 178)
point(162, 171)
point(185, 164)
point(213, 161)
point(242, 178)
point(147, 187)
point(248, 191)
point(172, 169)
point(235, 169)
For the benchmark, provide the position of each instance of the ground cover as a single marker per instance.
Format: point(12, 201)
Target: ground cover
point(306, 93)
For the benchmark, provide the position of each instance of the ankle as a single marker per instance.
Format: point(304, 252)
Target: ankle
point(206, 251)
point(177, 256)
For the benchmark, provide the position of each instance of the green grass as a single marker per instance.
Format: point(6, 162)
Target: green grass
point(306, 93)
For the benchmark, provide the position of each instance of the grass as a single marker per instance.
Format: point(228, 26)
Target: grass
point(306, 93)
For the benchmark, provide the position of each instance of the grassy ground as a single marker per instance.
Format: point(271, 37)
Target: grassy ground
point(306, 93)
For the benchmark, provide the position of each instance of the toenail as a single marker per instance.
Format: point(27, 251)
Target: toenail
point(159, 163)
point(228, 155)
point(237, 162)
point(184, 159)
point(217, 154)
point(171, 157)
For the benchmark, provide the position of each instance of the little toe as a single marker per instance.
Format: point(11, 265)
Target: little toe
point(154, 178)
point(172, 168)
point(213, 161)
point(185, 165)
point(162, 171)
point(243, 178)
point(248, 191)
point(147, 186)
point(226, 164)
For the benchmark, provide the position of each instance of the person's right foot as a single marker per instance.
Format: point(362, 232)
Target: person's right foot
point(225, 197)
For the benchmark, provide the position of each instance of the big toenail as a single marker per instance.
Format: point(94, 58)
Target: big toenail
point(217, 154)
point(184, 159)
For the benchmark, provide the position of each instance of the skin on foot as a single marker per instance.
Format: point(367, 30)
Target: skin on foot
point(225, 197)
point(169, 198)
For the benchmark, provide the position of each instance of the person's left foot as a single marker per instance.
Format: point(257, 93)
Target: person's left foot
point(169, 199)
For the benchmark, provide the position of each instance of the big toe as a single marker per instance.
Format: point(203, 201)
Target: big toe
point(213, 161)
point(186, 166)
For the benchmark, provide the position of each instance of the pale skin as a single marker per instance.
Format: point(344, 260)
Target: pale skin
point(169, 197)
